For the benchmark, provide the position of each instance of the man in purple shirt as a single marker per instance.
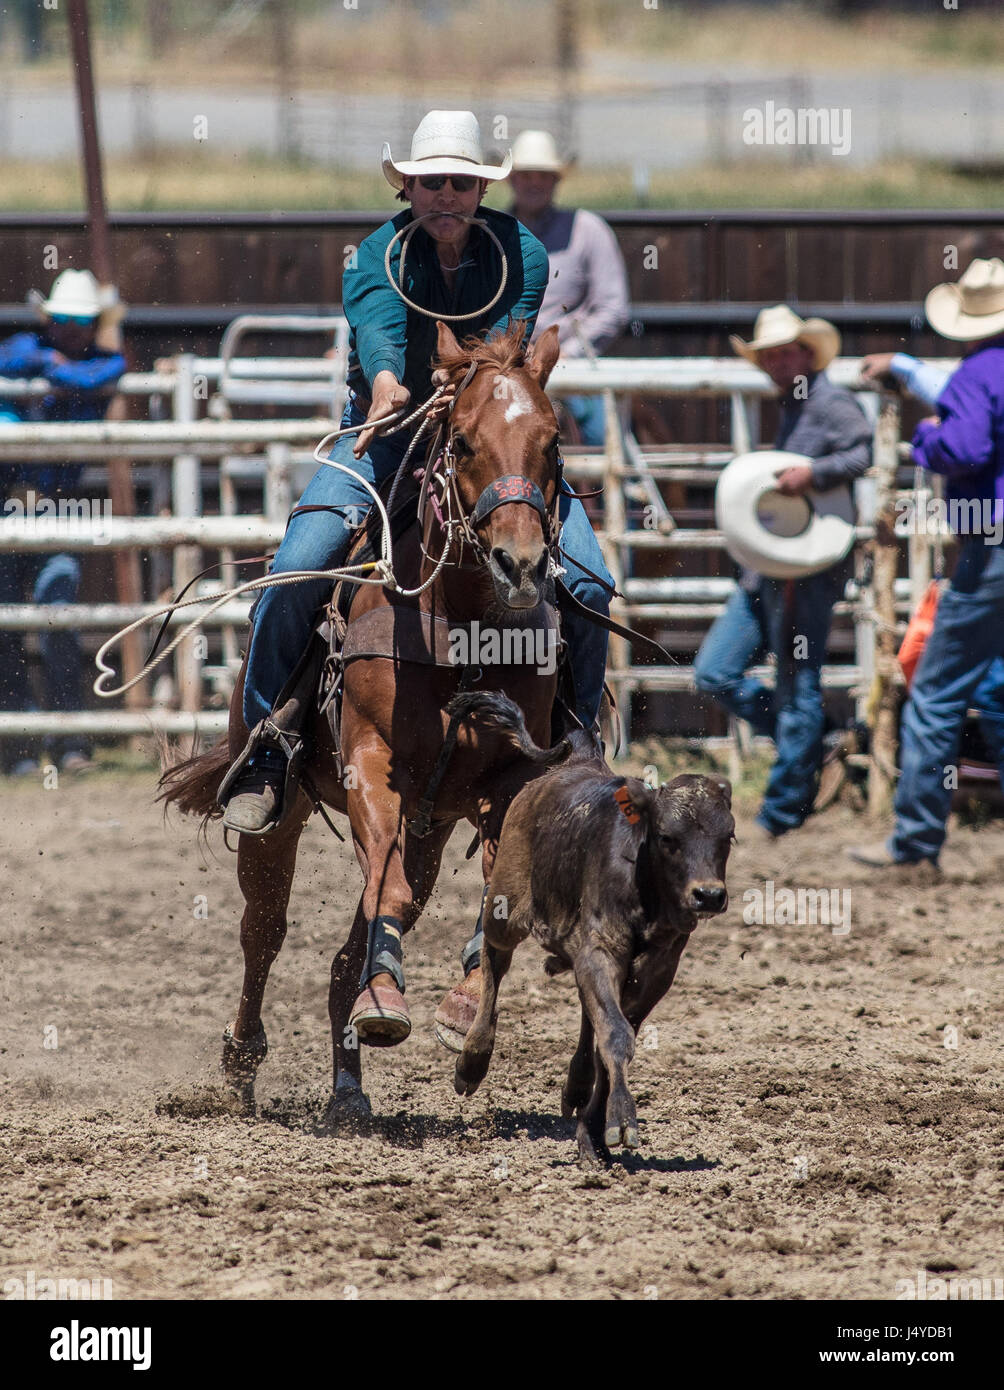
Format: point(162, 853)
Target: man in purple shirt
point(965, 443)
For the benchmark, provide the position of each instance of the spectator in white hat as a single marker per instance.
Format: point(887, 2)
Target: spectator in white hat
point(790, 617)
point(82, 378)
point(587, 288)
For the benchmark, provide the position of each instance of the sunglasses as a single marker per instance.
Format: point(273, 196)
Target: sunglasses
point(462, 183)
point(78, 320)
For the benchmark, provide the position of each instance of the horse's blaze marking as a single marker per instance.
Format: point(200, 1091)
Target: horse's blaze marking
point(519, 404)
point(623, 798)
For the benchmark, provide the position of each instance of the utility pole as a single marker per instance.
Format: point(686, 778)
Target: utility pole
point(120, 484)
point(567, 53)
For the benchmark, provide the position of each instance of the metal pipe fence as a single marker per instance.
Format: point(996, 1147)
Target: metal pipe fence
point(194, 450)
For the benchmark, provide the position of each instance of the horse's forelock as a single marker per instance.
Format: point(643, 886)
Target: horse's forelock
point(504, 351)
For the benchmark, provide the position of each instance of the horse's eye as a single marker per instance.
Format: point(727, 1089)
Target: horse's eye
point(460, 444)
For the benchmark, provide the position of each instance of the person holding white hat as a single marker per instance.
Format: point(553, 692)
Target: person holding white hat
point(82, 377)
point(453, 268)
point(965, 443)
point(587, 290)
point(789, 616)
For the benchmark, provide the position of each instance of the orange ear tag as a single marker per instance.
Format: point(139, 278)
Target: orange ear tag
point(623, 798)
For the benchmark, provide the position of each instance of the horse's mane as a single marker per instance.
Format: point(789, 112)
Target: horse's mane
point(502, 350)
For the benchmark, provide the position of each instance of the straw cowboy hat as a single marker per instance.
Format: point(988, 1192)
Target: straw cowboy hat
point(535, 152)
point(780, 325)
point(446, 142)
point(779, 536)
point(971, 309)
point(74, 292)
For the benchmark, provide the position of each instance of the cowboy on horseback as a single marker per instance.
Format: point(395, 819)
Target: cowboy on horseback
point(453, 270)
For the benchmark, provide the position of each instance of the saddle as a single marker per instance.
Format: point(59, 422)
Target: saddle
point(401, 633)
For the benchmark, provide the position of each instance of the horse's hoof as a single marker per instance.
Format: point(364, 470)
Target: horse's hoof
point(455, 1016)
point(380, 1016)
point(349, 1109)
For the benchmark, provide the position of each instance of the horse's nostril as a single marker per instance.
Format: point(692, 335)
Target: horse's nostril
point(505, 562)
point(542, 567)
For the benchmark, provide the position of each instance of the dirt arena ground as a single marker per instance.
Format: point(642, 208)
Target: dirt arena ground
point(806, 1131)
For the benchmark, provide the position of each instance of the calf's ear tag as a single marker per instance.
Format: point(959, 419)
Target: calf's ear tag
point(623, 798)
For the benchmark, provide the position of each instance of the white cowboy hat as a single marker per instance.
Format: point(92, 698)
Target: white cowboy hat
point(535, 151)
point(780, 325)
point(971, 309)
point(446, 142)
point(779, 536)
point(74, 292)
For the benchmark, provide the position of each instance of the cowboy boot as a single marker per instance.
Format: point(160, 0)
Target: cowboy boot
point(455, 1015)
point(254, 802)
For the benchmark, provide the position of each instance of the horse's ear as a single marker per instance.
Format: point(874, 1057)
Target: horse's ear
point(543, 355)
point(446, 343)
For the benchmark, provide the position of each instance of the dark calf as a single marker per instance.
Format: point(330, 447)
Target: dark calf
point(611, 878)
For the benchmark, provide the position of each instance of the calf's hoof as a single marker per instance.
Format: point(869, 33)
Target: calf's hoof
point(470, 1072)
point(592, 1153)
point(380, 1016)
point(625, 1134)
point(455, 1016)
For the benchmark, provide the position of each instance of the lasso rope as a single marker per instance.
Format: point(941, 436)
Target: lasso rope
point(405, 235)
point(383, 568)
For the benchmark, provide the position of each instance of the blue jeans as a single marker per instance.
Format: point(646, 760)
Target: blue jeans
point(792, 713)
point(45, 579)
point(284, 617)
point(989, 700)
point(968, 635)
point(589, 413)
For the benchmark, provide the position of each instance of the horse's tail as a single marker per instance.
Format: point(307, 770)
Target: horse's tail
point(497, 710)
point(193, 783)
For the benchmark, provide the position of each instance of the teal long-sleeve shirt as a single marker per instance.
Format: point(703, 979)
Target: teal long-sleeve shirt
point(388, 336)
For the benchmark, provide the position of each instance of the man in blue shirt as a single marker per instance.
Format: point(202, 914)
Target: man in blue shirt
point(82, 378)
point(826, 424)
point(452, 268)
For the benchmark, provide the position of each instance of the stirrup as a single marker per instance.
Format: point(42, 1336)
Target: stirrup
point(264, 735)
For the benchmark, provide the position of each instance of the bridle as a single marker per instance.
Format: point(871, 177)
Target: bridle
point(440, 490)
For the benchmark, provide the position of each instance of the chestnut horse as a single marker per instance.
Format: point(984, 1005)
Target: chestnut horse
point(501, 430)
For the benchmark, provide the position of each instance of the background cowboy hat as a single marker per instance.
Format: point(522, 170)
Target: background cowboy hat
point(971, 309)
point(445, 142)
point(534, 151)
point(780, 325)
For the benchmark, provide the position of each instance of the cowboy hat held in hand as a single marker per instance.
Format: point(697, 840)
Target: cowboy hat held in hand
point(972, 308)
point(780, 536)
point(779, 325)
point(445, 142)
